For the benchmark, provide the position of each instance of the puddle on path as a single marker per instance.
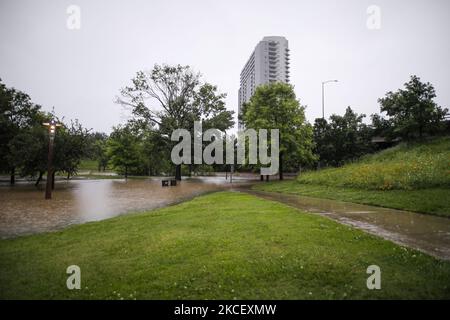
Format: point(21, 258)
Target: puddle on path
point(427, 233)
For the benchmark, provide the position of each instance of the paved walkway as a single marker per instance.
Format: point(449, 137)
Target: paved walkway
point(427, 233)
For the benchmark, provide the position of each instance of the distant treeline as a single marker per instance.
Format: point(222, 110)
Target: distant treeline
point(142, 146)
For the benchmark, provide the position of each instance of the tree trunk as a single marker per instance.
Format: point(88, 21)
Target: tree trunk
point(281, 166)
point(53, 180)
point(267, 177)
point(39, 178)
point(68, 175)
point(178, 172)
point(262, 178)
point(12, 178)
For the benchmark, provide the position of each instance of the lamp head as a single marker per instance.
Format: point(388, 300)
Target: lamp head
point(52, 126)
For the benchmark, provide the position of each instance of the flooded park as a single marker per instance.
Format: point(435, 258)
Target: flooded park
point(25, 211)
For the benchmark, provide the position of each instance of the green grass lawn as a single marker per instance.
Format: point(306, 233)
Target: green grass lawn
point(431, 201)
point(87, 164)
point(219, 246)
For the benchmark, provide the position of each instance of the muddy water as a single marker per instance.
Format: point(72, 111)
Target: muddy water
point(23, 209)
point(427, 233)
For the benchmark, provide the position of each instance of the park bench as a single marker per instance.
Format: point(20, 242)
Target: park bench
point(165, 183)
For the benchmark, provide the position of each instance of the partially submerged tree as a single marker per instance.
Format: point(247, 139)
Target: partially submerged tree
point(24, 140)
point(124, 149)
point(172, 97)
point(70, 148)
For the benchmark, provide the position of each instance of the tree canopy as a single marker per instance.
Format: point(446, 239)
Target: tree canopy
point(275, 106)
point(173, 97)
point(341, 139)
point(413, 111)
point(24, 140)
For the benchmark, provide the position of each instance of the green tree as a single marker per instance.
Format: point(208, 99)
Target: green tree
point(125, 150)
point(70, 148)
point(24, 140)
point(27, 152)
point(382, 127)
point(172, 97)
point(275, 106)
point(155, 151)
point(341, 139)
point(17, 114)
point(412, 110)
point(324, 146)
point(91, 151)
point(101, 155)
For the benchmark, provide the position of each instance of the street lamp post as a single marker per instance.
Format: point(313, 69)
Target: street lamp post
point(52, 125)
point(323, 96)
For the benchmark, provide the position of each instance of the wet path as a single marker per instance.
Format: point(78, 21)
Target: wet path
point(427, 233)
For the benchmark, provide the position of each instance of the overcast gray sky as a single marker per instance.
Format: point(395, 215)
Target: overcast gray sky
point(80, 72)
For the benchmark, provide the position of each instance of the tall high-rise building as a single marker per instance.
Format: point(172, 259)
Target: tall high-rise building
point(269, 62)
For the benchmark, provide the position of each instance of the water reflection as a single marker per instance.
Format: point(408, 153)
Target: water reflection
point(90, 200)
point(25, 211)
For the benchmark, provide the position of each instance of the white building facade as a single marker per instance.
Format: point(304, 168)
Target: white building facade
point(269, 62)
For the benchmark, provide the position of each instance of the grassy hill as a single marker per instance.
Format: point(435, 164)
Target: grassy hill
point(413, 177)
point(406, 166)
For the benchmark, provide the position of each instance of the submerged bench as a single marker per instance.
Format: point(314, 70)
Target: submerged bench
point(165, 183)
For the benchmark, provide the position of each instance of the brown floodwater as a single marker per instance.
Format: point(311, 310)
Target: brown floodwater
point(430, 234)
point(23, 209)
